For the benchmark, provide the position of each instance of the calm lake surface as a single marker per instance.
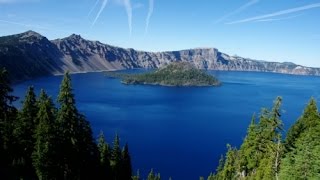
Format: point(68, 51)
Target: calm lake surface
point(181, 132)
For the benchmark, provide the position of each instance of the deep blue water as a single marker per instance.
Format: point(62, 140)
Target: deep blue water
point(181, 132)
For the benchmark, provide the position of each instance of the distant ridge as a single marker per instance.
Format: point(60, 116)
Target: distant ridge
point(29, 55)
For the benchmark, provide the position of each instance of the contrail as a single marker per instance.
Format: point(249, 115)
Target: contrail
point(93, 7)
point(277, 19)
point(104, 4)
point(127, 5)
point(240, 9)
point(151, 4)
point(279, 13)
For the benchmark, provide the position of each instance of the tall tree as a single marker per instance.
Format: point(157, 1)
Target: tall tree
point(302, 158)
point(78, 150)
point(153, 176)
point(45, 150)
point(7, 117)
point(24, 129)
point(104, 157)
point(310, 118)
point(116, 158)
point(126, 169)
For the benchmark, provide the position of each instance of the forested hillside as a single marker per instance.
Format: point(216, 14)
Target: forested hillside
point(266, 154)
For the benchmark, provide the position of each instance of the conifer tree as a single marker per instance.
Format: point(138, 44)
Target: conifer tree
point(310, 118)
point(302, 158)
point(116, 158)
point(44, 155)
point(126, 169)
point(24, 129)
point(104, 157)
point(7, 117)
point(74, 131)
point(153, 176)
point(137, 176)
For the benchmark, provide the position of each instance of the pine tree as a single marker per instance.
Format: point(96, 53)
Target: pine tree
point(75, 136)
point(7, 117)
point(211, 177)
point(116, 158)
point(104, 157)
point(24, 129)
point(310, 118)
point(230, 166)
point(302, 158)
point(249, 152)
point(88, 151)
point(137, 176)
point(153, 176)
point(126, 169)
point(44, 155)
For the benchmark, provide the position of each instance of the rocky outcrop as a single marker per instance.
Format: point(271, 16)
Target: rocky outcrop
point(28, 55)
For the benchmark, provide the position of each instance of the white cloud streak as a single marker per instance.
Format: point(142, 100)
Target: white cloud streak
point(128, 7)
point(104, 4)
point(150, 11)
point(279, 13)
point(277, 19)
point(237, 11)
point(93, 7)
point(16, 1)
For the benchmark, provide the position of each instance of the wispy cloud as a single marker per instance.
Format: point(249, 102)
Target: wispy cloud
point(150, 11)
point(16, 1)
point(104, 4)
point(275, 14)
point(278, 19)
point(137, 6)
point(93, 7)
point(128, 7)
point(237, 11)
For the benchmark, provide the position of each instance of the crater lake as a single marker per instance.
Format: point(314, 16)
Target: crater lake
point(180, 132)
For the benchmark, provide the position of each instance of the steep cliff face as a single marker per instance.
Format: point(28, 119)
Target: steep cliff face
point(28, 55)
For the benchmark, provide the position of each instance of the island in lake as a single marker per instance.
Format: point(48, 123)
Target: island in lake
point(174, 74)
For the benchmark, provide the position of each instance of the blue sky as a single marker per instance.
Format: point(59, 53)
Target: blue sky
point(273, 30)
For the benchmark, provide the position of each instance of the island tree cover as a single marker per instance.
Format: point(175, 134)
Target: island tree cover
point(41, 141)
point(174, 74)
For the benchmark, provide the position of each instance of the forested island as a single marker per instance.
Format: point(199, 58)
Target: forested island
point(174, 74)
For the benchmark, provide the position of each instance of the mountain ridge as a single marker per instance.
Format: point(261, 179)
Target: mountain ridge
point(29, 55)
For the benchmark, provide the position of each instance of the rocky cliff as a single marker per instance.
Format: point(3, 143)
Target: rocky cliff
point(28, 55)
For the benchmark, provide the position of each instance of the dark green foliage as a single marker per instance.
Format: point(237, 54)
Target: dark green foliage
point(78, 153)
point(7, 117)
point(175, 74)
point(137, 176)
point(45, 150)
point(126, 168)
point(116, 158)
point(309, 119)
point(153, 176)
point(46, 143)
point(104, 157)
point(302, 160)
point(24, 129)
point(260, 154)
point(211, 177)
